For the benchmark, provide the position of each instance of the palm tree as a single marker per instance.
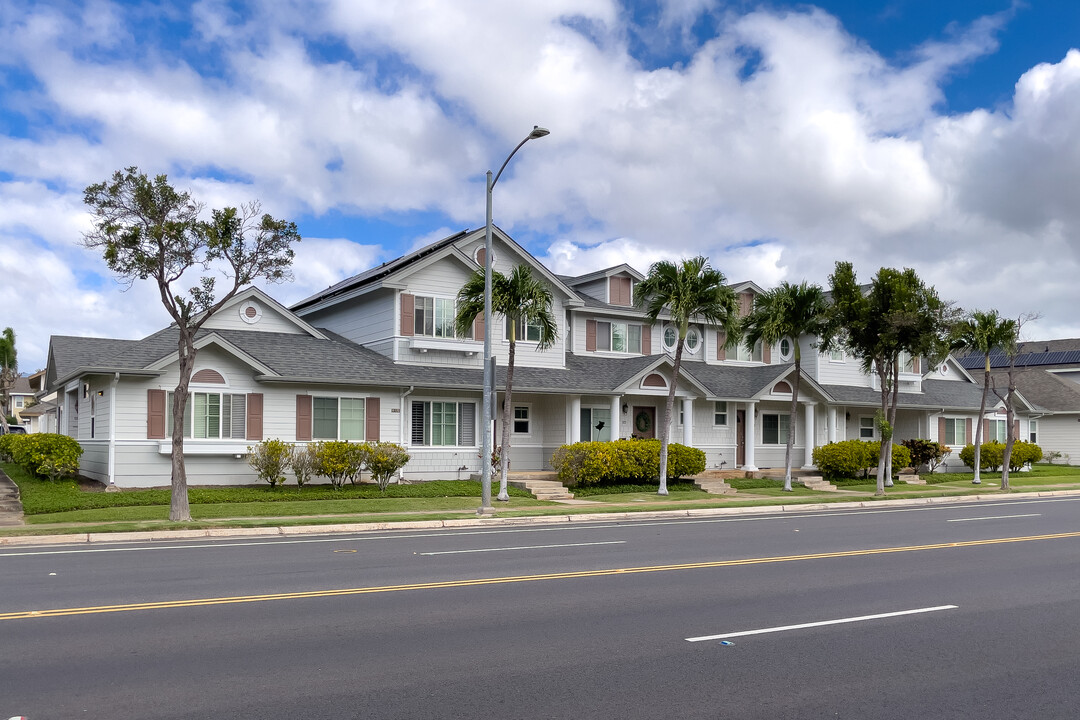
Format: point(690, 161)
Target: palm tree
point(688, 290)
point(9, 369)
point(788, 311)
point(525, 302)
point(981, 332)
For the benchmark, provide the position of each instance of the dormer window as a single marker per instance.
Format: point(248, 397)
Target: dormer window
point(620, 291)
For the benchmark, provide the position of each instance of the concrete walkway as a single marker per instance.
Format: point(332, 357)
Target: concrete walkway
point(11, 509)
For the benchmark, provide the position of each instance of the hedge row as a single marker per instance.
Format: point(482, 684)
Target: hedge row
point(992, 455)
point(336, 460)
point(46, 455)
point(854, 458)
point(623, 461)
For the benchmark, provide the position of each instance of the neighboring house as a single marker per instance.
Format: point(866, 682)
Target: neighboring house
point(21, 397)
point(1048, 379)
point(376, 357)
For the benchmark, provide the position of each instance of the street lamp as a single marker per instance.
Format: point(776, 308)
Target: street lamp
point(489, 361)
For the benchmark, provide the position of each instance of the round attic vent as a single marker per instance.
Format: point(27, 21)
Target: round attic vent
point(250, 312)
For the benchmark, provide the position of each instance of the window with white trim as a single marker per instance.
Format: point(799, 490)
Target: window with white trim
point(996, 431)
point(618, 337)
point(210, 416)
point(438, 423)
point(595, 424)
point(521, 419)
point(745, 354)
point(836, 355)
point(720, 411)
point(955, 431)
point(693, 340)
point(785, 348)
point(670, 337)
point(906, 362)
point(433, 316)
point(334, 418)
point(526, 331)
point(774, 428)
point(1033, 431)
point(867, 430)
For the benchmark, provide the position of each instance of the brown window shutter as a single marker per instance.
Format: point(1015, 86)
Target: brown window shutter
point(303, 417)
point(590, 335)
point(1016, 429)
point(746, 303)
point(478, 327)
point(255, 416)
point(406, 314)
point(371, 419)
point(941, 432)
point(646, 339)
point(619, 291)
point(155, 414)
point(915, 364)
point(967, 431)
point(721, 341)
point(986, 430)
point(766, 353)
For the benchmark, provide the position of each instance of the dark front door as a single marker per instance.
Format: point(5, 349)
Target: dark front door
point(740, 438)
point(644, 422)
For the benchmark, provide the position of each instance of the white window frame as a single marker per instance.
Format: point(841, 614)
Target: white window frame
point(670, 347)
point(608, 424)
point(189, 414)
point(836, 355)
point(743, 354)
point(1033, 431)
point(872, 428)
point(992, 431)
point(462, 406)
point(527, 432)
point(337, 425)
point(780, 349)
point(959, 425)
point(610, 336)
point(717, 412)
point(438, 307)
point(698, 341)
point(523, 331)
point(783, 427)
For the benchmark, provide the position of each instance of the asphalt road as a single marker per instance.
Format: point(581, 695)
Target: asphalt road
point(603, 620)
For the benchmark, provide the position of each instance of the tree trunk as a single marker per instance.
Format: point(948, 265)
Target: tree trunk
point(979, 423)
point(883, 379)
point(791, 427)
point(665, 428)
point(508, 421)
point(179, 510)
point(886, 447)
point(1010, 438)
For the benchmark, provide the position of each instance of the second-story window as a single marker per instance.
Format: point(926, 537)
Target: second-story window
point(433, 317)
point(618, 337)
point(525, 331)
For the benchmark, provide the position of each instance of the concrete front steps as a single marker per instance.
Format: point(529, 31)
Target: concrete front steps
point(816, 482)
point(543, 485)
point(715, 481)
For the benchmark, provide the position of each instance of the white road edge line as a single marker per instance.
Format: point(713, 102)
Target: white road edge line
point(995, 517)
point(522, 547)
point(783, 628)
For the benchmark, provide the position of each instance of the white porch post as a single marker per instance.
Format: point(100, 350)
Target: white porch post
point(809, 436)
point(748, 432)
point(832, 424)
point(688, 422)
point(616, 417)
point(573, 428)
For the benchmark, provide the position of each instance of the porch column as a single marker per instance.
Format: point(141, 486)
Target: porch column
point(809, 436)
point(832, 424)
point(573, 427)
point(688, 422)
point(748, 431)
point(616, 417)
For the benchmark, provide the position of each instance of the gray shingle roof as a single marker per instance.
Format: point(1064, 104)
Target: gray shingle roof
point(1046, 390)
point(949, 394)
point(735, 381)
point(68, 353)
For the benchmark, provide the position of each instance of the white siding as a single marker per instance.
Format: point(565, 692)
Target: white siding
point(271, 320)
point(366, 319)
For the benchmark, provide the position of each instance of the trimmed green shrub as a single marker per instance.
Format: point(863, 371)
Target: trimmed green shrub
point(338, 461)
point(619, 461)
point(926, 452)
point(1023, 453)
point(850, 458)
point(270, 458)
point(302, 461)
point(6, 443)
point(991, 455)
point(383, 459)
point(45, 454)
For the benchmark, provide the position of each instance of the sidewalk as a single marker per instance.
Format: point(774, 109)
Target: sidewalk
point(472, 520)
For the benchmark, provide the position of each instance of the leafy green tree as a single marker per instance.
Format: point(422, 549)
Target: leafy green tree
point(525, 303)
point(787, 311)
point(146, 229)
point(897, 313)
point(686, 291)
point(9, 368)
point(980, 333)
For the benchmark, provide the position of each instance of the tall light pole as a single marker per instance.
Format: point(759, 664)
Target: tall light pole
point(489, 360)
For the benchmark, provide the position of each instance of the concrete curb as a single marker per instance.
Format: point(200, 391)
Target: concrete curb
point(285, 531)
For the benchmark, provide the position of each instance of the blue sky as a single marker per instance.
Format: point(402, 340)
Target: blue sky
point(776, 138)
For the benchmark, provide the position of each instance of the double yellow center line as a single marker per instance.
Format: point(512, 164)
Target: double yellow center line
point(169, 604)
